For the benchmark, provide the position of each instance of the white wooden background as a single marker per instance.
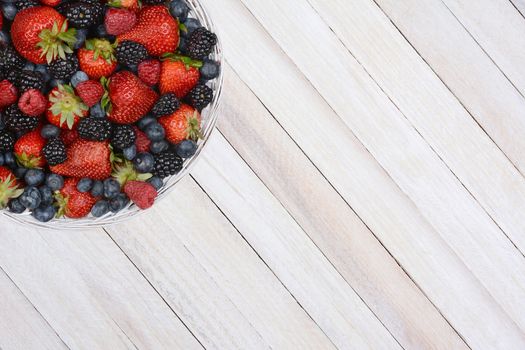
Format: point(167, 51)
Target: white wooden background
point(364, 190)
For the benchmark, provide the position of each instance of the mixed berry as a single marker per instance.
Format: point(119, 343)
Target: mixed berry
point(100, 101)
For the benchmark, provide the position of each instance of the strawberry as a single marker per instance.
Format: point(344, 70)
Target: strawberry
point(69, 136)
point(86, 159)
point(28, 150)
point(119, 21)
point(149, 71)
point(51, 3)
point(156, 29)
point(41, 34)
point(71, 202)
point(97, 58)
point(32, 103)
point(141, 141)
point(90, 91)
point(128, 98)
point(132, 5)
point(143, 194)
point(182, 125)
point(179, 75)
point(8, 186)
point(65, 108)
point(8, 93)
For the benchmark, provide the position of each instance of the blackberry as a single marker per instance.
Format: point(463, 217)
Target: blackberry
point(131, 53)
point(201, 43)
point(10, 59)
point(166, 164)
point(64, 68)
point(7, 141)
point(25, 4)
point(26, 79)
point(200, 96)
point(82, 15)
point(123, 136)
point(154, 2)
point(16, 121)
point(94, 129)
point(166, 105)
point(55, 151)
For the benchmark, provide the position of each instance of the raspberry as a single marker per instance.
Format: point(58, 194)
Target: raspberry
point(149, 71)
point(90, 91)
point(32, 103)
point(8, 93)
point(119, 21)
point(141, 141)
point(143, 194)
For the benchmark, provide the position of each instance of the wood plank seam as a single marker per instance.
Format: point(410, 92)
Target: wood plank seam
point(152, 286)
point(517, 9)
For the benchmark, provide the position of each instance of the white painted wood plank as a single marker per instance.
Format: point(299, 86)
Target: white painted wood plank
point(88, 291)
point(520, 6)
point(21, 326)
point(385, 208)
point(213, 279)
point(329, 222)
point(498, 28)
point(466, 69)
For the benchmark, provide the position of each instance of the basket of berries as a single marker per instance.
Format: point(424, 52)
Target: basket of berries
point(104, 105)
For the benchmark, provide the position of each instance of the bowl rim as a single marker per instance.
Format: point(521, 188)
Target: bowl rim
point(209, 121)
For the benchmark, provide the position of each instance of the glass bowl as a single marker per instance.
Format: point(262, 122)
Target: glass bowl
point(209, 119)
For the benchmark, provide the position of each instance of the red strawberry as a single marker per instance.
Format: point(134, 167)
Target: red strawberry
point(143, 194)
point(156, 29)
point(97, 58)
point(65, 108)
point(69, 136)
point(179, 75)
point(90, 91)
point(149, 71)
point(8, 186)
point(8, 93)
point(73, 203)
point(86, 159)
point(119, 21)
point(40, 34)
point(141, 141)
point(32, 103)
point(132, 5)
point(130, 98)
point(51, 3)
point(181, 125)
point(28, 150)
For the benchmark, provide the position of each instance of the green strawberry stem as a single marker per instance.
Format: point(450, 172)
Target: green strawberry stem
point(102, 48)
point(61, 204)
point(124, 171)
point(67, 104)
point(8, 190)
point(188, 62)
point(57, 42)
point(27, 161)
point(194, 129)
point(105, 102)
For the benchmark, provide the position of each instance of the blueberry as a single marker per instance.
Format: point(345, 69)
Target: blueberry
point(210, 69)
point(130, 152)
point(31, 198)
point(42, 69)
point(159, 146)
point(179, 9)
point(100, 208)
point(84, 185)
point(156, 182)
point(155, 132)
point(49, 131)
point(182, 44)
point(78, 77)
point(9, 159)
point(20, 172)
point(101, 32)
point(9, 10)
point(45, 213)
point(144, 122)
point(2, 160)
point(186, 148)
point(15, 206)
point(111, 188)
point(34, 177)
point(144, 162)
point(46, 194)
point(55, 82)
point(97, 112)
point(118, 203)
point(133, 67)
point(191, 24)
point(98, 189)
point(55, 182)
point(29, 66)
point(5, 39)
point(81, 38)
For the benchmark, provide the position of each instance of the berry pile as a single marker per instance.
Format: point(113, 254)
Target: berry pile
point(100, 100)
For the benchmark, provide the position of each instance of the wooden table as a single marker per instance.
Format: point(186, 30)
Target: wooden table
point(364, 190)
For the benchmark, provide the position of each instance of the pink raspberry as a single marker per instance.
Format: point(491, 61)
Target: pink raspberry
point(149, 71)
point(32, 103)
